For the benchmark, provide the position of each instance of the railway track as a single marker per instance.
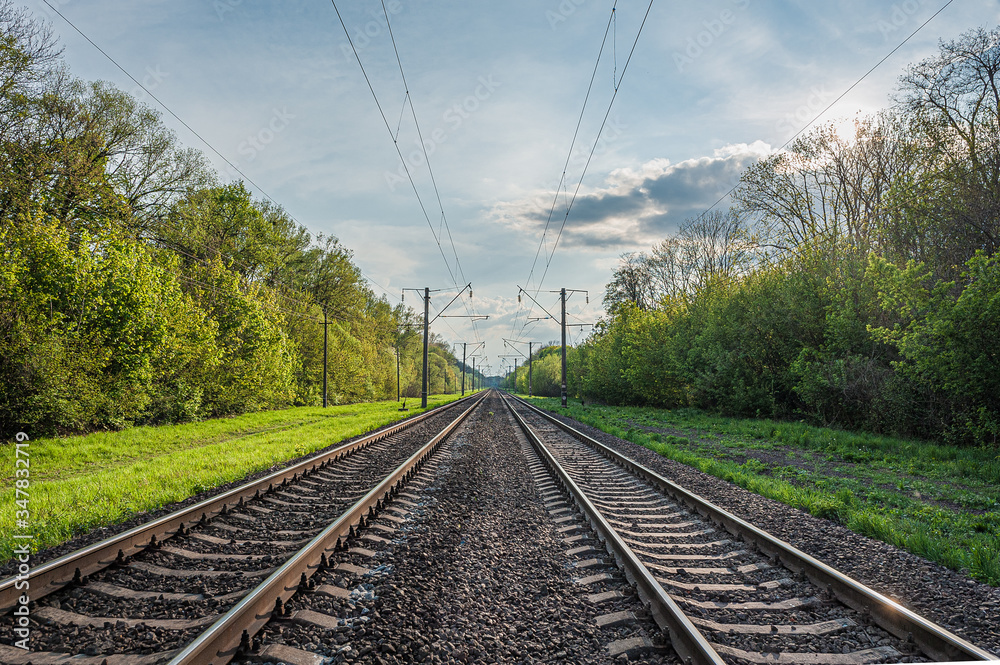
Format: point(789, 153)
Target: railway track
point(724, 591)
point(195, 586)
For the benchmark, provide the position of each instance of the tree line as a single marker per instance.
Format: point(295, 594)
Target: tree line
point(136, 287)
point(854, 282)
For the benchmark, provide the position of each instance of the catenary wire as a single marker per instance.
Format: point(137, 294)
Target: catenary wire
point(427, 160)
point(841, 96)
point(395, 143)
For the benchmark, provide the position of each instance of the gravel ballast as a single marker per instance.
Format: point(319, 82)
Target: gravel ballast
point(477, 573)
point(968, 608)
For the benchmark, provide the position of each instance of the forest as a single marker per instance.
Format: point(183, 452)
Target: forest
point(138, 288)
point(854, 282)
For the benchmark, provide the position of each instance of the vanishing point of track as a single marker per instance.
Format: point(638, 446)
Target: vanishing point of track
point(198, 585)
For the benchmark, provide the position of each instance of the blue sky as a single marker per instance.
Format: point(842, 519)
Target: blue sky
point(497, 89)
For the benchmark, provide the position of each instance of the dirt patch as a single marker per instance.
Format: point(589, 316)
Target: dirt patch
point(786, 456)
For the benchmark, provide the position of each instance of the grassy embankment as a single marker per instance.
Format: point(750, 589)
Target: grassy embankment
point(940, 502)
point(79, 483)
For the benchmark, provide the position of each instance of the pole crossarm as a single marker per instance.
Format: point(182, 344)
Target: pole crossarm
point(465, 362)
point(523, 291)
point(510, 343)
point(426, 297)
point(452, 301)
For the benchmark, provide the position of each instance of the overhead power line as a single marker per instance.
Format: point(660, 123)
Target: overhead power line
point(395, 143)
point(408, 99)
point(612, 20)
point(839, 97)
point(596, 141)
point(562, 178)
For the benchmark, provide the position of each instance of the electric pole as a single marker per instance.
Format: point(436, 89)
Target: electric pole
point(427, 327)
point(325, 324)
point(529, 368)
point(465, 350)
point(562, 388)
point(511, 344)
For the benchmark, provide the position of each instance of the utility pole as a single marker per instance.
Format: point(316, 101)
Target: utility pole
point(325, 324)
point(465, 350)
point(513, 369)
point(397, 370)
point(427, 327)
point(562, 389)
point(529, 368)
point(531, 345)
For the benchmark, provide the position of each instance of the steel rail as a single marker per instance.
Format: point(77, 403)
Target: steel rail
point(935, 641)
point(62, 571)
point(688, 641)
point(235, 629)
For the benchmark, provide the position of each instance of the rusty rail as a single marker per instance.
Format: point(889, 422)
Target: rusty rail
point(935, 641)
point(688, 641)
point(61, 572)
point(235, 629)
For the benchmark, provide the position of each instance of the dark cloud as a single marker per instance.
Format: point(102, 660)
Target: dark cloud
point(697, 182)
point(606, 235)
point(599, 207)
point(630, 216)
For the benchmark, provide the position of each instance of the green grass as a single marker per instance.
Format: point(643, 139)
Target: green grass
point(79, 483)
point(939, 502)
